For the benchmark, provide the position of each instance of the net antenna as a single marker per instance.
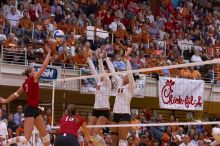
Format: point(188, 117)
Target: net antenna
point(64, 85)
point(53, 97)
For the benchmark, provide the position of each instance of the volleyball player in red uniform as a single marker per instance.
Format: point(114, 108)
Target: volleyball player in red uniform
point(31, 112)
point(69, 126)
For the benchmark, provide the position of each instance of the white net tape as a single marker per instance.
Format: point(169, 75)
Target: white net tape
point(214, 61)
point(151, 124)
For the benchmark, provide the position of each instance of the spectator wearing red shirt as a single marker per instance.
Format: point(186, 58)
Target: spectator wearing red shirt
point(134, 8)
point(168, 26)
point(69, 126)
point(32, 13)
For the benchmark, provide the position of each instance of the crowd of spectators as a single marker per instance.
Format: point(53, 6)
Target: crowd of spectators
point(199, 135)
point(177, 32)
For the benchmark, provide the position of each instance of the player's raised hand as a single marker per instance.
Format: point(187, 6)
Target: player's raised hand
point(128, 52)
point(48, 49)
point(3, 101)
point(105, 51)
point(98, 53)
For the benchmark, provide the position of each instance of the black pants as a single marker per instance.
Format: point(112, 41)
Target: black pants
point(30, 111)
point(66, 140)
point(98, 113)
point(121, 117)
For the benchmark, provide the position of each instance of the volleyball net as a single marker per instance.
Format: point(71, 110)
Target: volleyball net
point(179, 87)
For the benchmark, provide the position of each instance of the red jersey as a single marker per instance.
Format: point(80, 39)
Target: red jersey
point(108, 19)
point(32, 90)
point(32, 15)
point(69, 125)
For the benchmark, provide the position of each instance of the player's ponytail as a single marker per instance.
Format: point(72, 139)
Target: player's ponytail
point(27, 72)
point(71, 110)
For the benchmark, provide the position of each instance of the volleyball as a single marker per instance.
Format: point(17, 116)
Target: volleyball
point(216, 133)
point(58, 35)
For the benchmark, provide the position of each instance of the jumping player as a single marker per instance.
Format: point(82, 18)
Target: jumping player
point(31, 112)
point(121, 110)
point(101, 110)
point(69, 126)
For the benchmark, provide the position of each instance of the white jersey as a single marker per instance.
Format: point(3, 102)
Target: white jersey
point(103, 88)
point(123, 93)
point(102, 95)
point(123, 99)
point(189, 144)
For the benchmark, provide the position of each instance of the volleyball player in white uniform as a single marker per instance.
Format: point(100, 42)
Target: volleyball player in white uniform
point(101, 110)
point(121, 111)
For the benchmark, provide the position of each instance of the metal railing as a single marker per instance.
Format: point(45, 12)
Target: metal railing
point(19, 56)
point(14, 56)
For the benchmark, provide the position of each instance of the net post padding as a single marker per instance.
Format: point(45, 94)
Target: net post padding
point(53, 98)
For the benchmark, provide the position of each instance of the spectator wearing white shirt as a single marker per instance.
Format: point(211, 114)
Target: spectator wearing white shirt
point(37, 7)
point(179, 134)
point(3, 130)
point(181, 43)
point(196, 57)
point(137, 28)
point(163, 18)
point(186, 141)
point(20, 10)
point(56, 9)
point(115, 24)
point(4, 112)
point(26, 3)
point(188, 42)
point(197, 46)
point(13, 18)
point(195, 140)
point(7, 8)
point(19, 115)
point(150, 17)
point(162, 32)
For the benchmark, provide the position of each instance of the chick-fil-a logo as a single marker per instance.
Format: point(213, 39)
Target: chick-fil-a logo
point(168, 98)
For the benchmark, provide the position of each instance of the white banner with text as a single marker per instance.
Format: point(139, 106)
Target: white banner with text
point(181, 94)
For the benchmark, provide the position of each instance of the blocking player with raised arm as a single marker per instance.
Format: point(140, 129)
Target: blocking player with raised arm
point(101, 109)
point(121, 110)
point(31, 112)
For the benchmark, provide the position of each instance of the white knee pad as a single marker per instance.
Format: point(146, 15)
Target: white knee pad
point(19, 139)
point(100, 140)
point(22, 139)
point(215, 143)
point(46, 139)
point(122, 143)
